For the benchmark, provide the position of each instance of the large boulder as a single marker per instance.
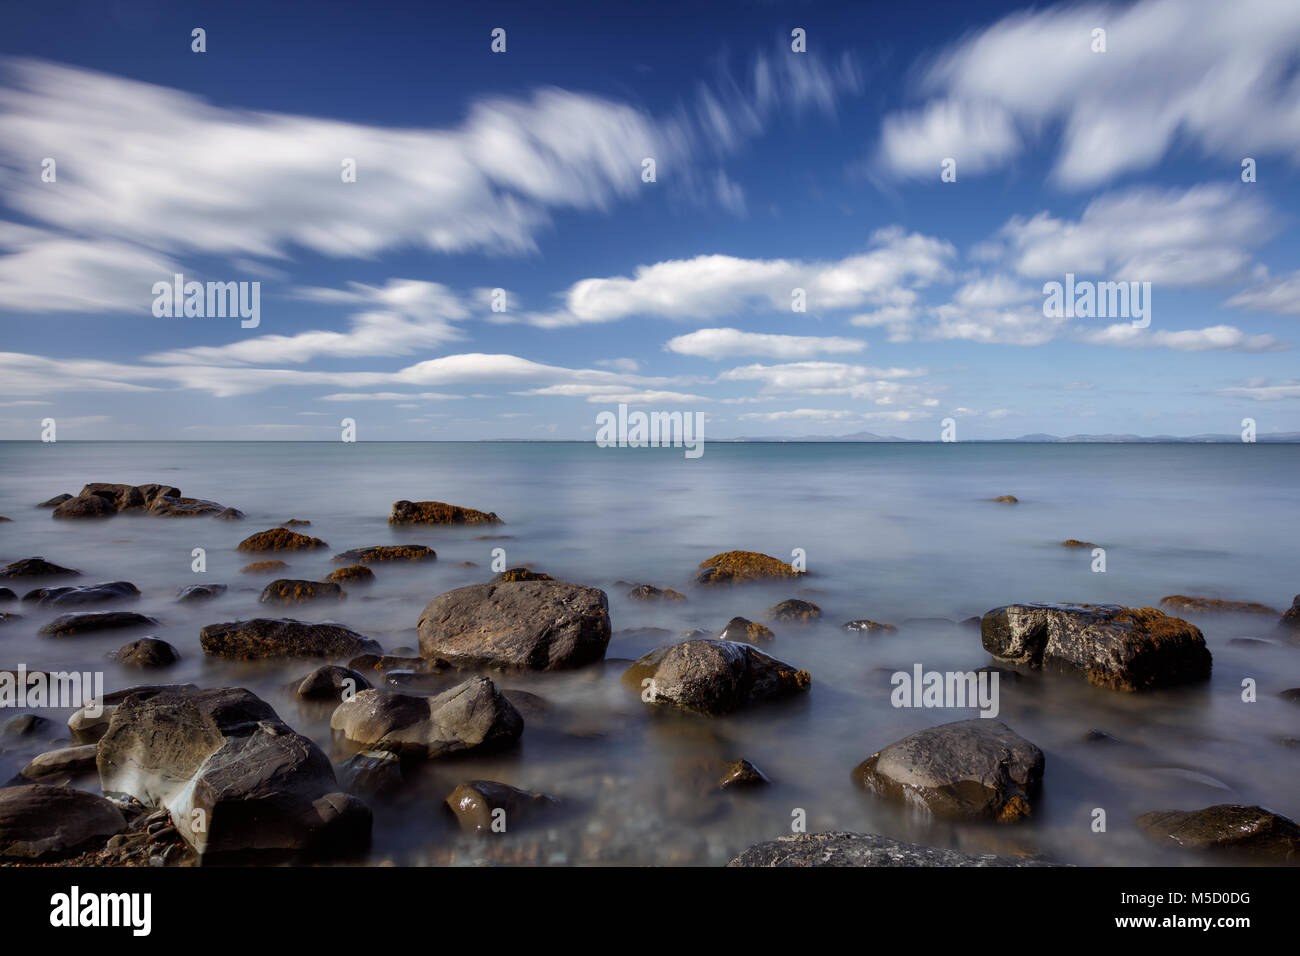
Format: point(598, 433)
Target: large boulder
point(1113, 646)
point(283, 637)
point(1229, 828)
point(89, 622)
point(838, 848)
point(736, 567)
point(439, 512)
point(968, 769)
point(175, 506)
point(470, 716)
point(280, 539)
point(521, 625)
point(39, 821)
point(36, 568)
point(713, 677)
point(235, 778)
point(85, 506)
point(73, 596)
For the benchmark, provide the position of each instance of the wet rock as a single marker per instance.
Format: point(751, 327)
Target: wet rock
point(1007, 500)
point(148, 652)
point(485, 806)
point(1116, 647)
point(76, 596)
point(863, 626)
point(438, 512)
point(837, 848)
point(524, 625)
point(86, 506)
point(55, 501)
point(7, 594)
point(7, 617)
point(280, 539)
point(36, 568)
point(195, 593)
point(38, 821)
point(89, 622)
point(1076, 543)
point(263, 567)
point(736, 567)
point(258, 785)
point(371, 773)
point(713, 677)
point(1182, 604)
point(175, 506)
point(1251, 642)
point(91, 721)
point(1291, 695)
point(1230, 828)
point(648, 592)
point(381, 553)
point(289, 591)
point(331, 682)
point(352, 574)
point(794, 611)
point(510, 575)
point(471, 716)
point(282, 637)
point(968, 769)
point(1099, 737)
point(740, 774)
point(1290, 617)
point(229, 514)
point(67, 762)
point(744, 630)
point(24, 725)
point(295, 523)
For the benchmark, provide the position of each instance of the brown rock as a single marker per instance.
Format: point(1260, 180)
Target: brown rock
point(280, 539)
point(735, 567)
point(438, 512)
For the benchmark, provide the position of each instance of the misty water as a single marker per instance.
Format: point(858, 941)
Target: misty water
point(891, 532)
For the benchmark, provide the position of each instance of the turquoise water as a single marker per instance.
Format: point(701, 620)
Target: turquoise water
point(891, 532)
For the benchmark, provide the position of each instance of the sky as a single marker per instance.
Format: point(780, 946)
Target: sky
point(630, 203)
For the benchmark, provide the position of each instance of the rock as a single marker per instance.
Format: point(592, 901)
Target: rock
point(971, 769)
point(746, 631)
point(1095, 736)
point(713, 677)
point(70, 596)
point(741, 773)
point(1243, 831)
point(195, 593)
point(837, 848)
point(230, 514)
point(24, 725)
point(258, 785)
point(174, 506)
point(55, 501)
point(379, 553)
point(471, 716)
point(280, 539)
point(476, 805)
point(1076, 543)
point(371, 773)
point(510, 575)
point(525, 625)
point(794, 611)
point(352, 574)
point(37, 821)
point(127, 497)
point(387, 662)
point(148, 652)
point(7, 594)
point(36, 568)
point(85, 506)
point(864, 626)
point(735, 567)
point(331, 682)
point(91, 721)
point(1116, 647)
point(1291, 695)
point(438, 512)
point(283, 637)
point(1290, 617)
point(87, 622)
point(7, 617)
point(1203, 605)
point(1007, 500)
point(295, 523)
point(288, 591)
point(263, 567)
point(66, 762)
point(648, 592)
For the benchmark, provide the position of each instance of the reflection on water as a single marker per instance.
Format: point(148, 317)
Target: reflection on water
point(892, 532)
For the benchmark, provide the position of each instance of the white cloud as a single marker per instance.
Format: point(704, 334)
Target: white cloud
point(977, 136)
point(1262, 391)
point(1214, 338)
point(1279, 295)
point(725, 343)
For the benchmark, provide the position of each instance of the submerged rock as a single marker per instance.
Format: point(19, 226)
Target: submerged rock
point(713, 677)
point(1290, 617)
point(74, 596)
point(66, 763)
point(524, 625)
point(7, 594)
point(234, 777)
point(471, 716)
point(1007, 500)
point(39, 821)
point(863, 626)
point(289, 591)
point(174, 506)
point(838, 848)
point(438, 512)
point(352, 574)
point(36, 568)
point(380, 553)
point(331, 682)
point(195, 593)
point(972, 769)
point(88, 622)
point(1116, 647)
point(746, 631)
point(741, 773)
point(648, 592)
point(263, 567)
point(794, 611)
point(86, 506)
point(485, 806)
point(283, 637)
point(1245, 831)
point(510, 575)
point(1203, 605)
point(371, 773)
point(736, 567)
point(55, 501)
point(280, 539)
point(1076, 543)
point(148, 652)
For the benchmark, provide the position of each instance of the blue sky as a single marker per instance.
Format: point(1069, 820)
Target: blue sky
point(775, 170)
